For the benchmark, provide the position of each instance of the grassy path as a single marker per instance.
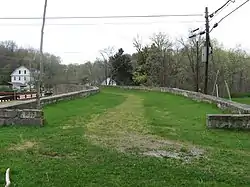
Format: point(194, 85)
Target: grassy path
point(120, 127)
point(102, 141)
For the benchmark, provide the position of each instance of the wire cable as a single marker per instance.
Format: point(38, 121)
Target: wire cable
point(222, 7)
point(96, 24)
point(103, 17)
point(233, 11)
point(214, 14)
point(217, 12)
point(216, 24)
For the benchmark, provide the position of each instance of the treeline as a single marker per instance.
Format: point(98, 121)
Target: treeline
point(13, 56)
point(162, 62)
point(168, 63)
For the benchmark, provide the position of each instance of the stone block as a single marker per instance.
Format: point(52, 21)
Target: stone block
point(2, 122)
point(228, 121)
point(30, 113)
point(24, 122)
point(8, 113)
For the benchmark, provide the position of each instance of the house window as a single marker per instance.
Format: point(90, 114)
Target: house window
point(19, 78)
point(24, 71)
point(24, 78)
point(14, 78)
point(19, 71)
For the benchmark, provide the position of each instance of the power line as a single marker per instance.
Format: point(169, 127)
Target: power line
point(218, 11)
point(216, 24)
point(96, 24)
point(221, 8)
point(102, 17)
point(212, 16)
point(233, 11)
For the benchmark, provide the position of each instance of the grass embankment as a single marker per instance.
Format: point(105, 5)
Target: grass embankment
point(126, 138)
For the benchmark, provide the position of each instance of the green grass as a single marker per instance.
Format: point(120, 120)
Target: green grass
point(244, 100)
point(98, 141)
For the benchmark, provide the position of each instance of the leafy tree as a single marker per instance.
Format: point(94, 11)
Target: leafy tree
point(122, 68)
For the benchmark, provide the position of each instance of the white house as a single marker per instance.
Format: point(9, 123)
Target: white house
point(22, 78)
point(109, 82)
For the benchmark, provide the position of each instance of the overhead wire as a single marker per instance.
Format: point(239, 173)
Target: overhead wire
point(213, 15)
point(233, 11)
point(96, 24)
point(102, 17)
point(222, 7)
point(216, 24)
point(218, 11)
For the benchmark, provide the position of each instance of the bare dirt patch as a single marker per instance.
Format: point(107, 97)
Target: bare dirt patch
point(177, 153)
point(22, 146)
point(125, 129)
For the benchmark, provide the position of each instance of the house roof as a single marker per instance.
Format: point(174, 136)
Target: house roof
point(18, 68)
point(31, 70)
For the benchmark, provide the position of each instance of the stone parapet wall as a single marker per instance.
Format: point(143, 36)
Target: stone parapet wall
point(221, 103)
point(25, 112)
point(238, 119)
point(49, 100)
point(66, 88)
point(29, 117)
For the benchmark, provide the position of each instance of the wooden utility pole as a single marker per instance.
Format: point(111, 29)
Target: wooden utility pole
point(207, 50)
point(197, 65)
point(41, 59)
point(197, 57)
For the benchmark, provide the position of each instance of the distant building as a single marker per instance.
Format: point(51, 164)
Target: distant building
point(22, 78)
point(109, 82)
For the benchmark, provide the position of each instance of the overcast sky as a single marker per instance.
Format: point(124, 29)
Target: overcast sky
point(80, 43)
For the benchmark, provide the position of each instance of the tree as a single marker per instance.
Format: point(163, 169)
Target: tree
point(106, 55)
point(140, 74)
point(121, 68)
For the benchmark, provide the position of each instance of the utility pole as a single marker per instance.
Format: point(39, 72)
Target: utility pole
point(41, 59)
point(197, 56)
point(207, 50)
point(197, 65)
point(105, 68)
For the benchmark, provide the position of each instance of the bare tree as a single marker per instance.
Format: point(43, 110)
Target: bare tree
point(106, 54)
point(137, 43)
point(161, 40)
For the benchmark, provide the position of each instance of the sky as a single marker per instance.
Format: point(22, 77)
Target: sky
point(80, 40)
